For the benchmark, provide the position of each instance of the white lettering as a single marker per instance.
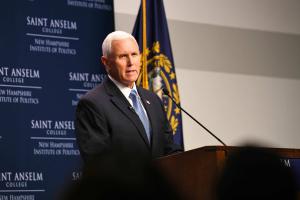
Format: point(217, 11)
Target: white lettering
point(43, 144)
point(64, 125)
point(5, 176)
point(56, 132)
point(63, 24)
point(4, 71)
point(25, 73)
point(36, 21)
point(97, 78)
point(78, 76)
point(41, 124)
point(286, 162)
point(16, 184)
point(29, 176)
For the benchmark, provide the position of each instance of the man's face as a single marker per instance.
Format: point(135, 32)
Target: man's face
point(123, 63)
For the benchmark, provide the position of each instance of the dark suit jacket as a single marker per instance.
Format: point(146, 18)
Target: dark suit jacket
point(105, 122)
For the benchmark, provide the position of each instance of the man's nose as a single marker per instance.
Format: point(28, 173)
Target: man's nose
point(129, 60)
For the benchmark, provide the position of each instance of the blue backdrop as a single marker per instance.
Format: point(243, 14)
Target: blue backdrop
point(50, 56)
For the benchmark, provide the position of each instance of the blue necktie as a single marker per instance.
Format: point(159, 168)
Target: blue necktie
point(137, 105)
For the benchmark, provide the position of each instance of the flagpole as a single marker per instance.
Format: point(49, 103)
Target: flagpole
point(156, 57)
point(144, 55)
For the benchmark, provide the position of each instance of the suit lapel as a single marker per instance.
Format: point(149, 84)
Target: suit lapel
point(120, 101)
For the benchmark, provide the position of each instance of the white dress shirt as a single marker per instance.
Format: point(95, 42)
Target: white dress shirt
point(126, 92)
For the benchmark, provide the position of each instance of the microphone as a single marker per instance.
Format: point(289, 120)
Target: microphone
point(131, 108)
point(166, 92)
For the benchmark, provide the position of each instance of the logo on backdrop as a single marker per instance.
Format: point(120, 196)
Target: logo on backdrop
point(20, 180)
point(53, 36)
point(51, 59)
point(13, 85)
point(53, 137)
point(81, 82)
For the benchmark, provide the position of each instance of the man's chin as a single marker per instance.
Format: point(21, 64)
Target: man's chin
point(132, 79)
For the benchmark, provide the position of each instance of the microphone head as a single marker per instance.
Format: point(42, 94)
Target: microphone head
point(165, 91)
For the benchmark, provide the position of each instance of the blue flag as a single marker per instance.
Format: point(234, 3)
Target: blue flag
point(158, 70)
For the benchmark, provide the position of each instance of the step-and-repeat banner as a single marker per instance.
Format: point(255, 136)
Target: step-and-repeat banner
point(50, 56)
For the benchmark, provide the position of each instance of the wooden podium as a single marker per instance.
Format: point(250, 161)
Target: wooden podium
point(193, 173)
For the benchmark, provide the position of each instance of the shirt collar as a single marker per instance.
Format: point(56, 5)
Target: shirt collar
point(124, 89)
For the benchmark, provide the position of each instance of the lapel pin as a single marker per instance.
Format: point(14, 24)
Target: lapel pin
point(148, 102)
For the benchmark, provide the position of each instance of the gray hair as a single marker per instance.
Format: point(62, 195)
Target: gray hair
point(116, 35)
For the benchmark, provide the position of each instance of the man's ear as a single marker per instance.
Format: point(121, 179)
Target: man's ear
point(105, 62)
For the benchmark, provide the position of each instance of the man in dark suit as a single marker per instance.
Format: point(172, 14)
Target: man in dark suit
point(117, 115)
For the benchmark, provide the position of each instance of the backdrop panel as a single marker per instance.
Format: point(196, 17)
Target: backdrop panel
point(50, 56)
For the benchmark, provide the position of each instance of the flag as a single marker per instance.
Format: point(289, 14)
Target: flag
point(158, 70)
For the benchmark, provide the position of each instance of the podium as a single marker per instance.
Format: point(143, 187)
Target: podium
point(194, 173)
